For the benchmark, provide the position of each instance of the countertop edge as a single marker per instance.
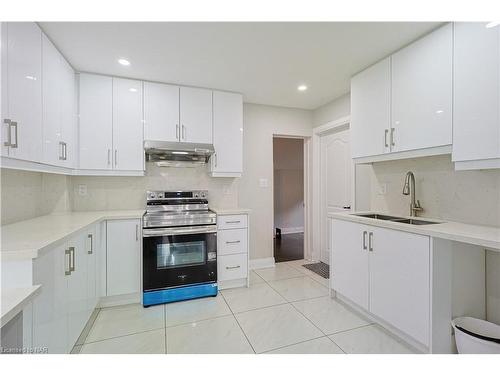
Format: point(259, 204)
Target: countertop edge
point(230, 211)
point(431, 231)
point(26, 295)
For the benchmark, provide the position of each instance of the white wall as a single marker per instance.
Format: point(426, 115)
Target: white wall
point(288, 156)
point(333, 110)
point(260, 124)
point(25, 195)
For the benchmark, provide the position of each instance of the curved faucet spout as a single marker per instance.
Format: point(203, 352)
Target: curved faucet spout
point(409, 189)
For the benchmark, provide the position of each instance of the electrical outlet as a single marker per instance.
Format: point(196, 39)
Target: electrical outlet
point(82, 190)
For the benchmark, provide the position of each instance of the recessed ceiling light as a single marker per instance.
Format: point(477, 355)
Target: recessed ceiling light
point(124, 62)
point(492, 24)
point(302, 88)
point(132, 89)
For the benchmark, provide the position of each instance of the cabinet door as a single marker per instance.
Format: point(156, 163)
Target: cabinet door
point(476, 92)
point(4, 114)
point(228, 133)
point(128, 133)
point(69, 114)
point(370, 110)
point(400, 281)
point(50, 307)
point(196, 115)
point(161, 112)
point(92, 254)
point(349, 261)
point(53, 71)
point(78, 313)
point(96, 130)
point(123, 246)
point(422, 92)
point(24, 82)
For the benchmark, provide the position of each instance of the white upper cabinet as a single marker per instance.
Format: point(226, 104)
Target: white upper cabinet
point(22, 79)
point(227, 135)
point(128, 153)
point(161, 112)
point(59, 115)
point(96, 119)
point(195, 115)
point(370, 110)
point(476, 109)
point(422, 93)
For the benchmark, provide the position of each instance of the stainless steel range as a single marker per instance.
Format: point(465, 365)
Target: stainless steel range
point(179, 247)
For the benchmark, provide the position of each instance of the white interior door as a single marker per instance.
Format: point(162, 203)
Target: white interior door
point(335, 182)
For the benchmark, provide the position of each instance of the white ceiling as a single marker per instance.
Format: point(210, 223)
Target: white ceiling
point(264, 61)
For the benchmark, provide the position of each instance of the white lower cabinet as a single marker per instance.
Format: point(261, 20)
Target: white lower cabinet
point(386, 272)
point(232, 251)
point(123, 257)
point(67, 297)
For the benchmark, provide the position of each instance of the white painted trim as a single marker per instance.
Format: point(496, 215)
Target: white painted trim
point(123, 299)
point(477, 164)
point(24, 165)
point(229, 284)
point(259, 263)
point(225, 174)
point(340, 124)
point(431, 151)
point(292, 230)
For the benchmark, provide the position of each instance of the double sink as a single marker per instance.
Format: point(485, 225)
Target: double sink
point(397, 219)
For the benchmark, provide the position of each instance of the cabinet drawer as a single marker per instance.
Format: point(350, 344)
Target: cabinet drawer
point(232, 267)
point(231, 221)
point(232, 241)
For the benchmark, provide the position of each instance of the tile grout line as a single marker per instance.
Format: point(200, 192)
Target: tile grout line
point(301, 342)
point(165, 326)
point(239, 325)
point(120, 336)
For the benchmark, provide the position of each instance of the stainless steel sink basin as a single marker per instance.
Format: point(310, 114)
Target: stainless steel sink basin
point(380, 217)
point(415, 221)
point(397, 219)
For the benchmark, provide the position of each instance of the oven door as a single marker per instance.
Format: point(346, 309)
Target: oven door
point(179, 256)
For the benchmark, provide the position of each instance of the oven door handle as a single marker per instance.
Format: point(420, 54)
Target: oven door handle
point(156, 232)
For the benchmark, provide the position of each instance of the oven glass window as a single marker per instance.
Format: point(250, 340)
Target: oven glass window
point(180, 254)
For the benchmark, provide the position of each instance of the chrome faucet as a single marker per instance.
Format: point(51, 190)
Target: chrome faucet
point(409, 189)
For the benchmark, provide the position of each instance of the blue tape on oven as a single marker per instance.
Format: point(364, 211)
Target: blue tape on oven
point(179, 294)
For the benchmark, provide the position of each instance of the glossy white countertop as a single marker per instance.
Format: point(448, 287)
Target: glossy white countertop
point(28, 238)
point(14, 300)
point(230, 211)
point(480, 235)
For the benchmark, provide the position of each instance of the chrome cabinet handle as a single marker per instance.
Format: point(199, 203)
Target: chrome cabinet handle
point(215, 159)
point(364, 240)
point(71, 258)
point(370, 241)
point(14, 124)
point(67, 252)
point(392, 137)
point(61, 152)
point(183, 132)
point(109, 156)
point(91, 237)
point(65, 151)
point(233, 222)
point(386, 132)
point(116, 157)
point(137, 232)
point(232, 267)
point(9, 141)
point(230, 242)
point(177, 132)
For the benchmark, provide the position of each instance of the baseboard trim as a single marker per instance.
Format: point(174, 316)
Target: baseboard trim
point(258, 263)
point(124, 299)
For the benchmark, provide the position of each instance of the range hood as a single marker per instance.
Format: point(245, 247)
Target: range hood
point(177, 154)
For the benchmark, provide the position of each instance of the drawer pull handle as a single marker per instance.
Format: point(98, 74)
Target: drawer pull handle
point(232, 267)
point(233, 222)
point(230, 242)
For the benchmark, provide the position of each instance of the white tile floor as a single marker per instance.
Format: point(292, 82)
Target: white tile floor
point(287, 309)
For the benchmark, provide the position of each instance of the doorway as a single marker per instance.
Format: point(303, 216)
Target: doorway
point(288, 181)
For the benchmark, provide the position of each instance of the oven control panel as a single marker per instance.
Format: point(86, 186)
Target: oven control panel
point(166, 195)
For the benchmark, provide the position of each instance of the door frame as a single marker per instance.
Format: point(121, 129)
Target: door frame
point(308, 215)
point(340, 124)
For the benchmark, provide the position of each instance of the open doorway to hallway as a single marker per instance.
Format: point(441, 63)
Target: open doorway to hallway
point(288, 161)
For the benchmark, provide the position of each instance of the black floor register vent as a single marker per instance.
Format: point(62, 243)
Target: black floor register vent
point(320, 268)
